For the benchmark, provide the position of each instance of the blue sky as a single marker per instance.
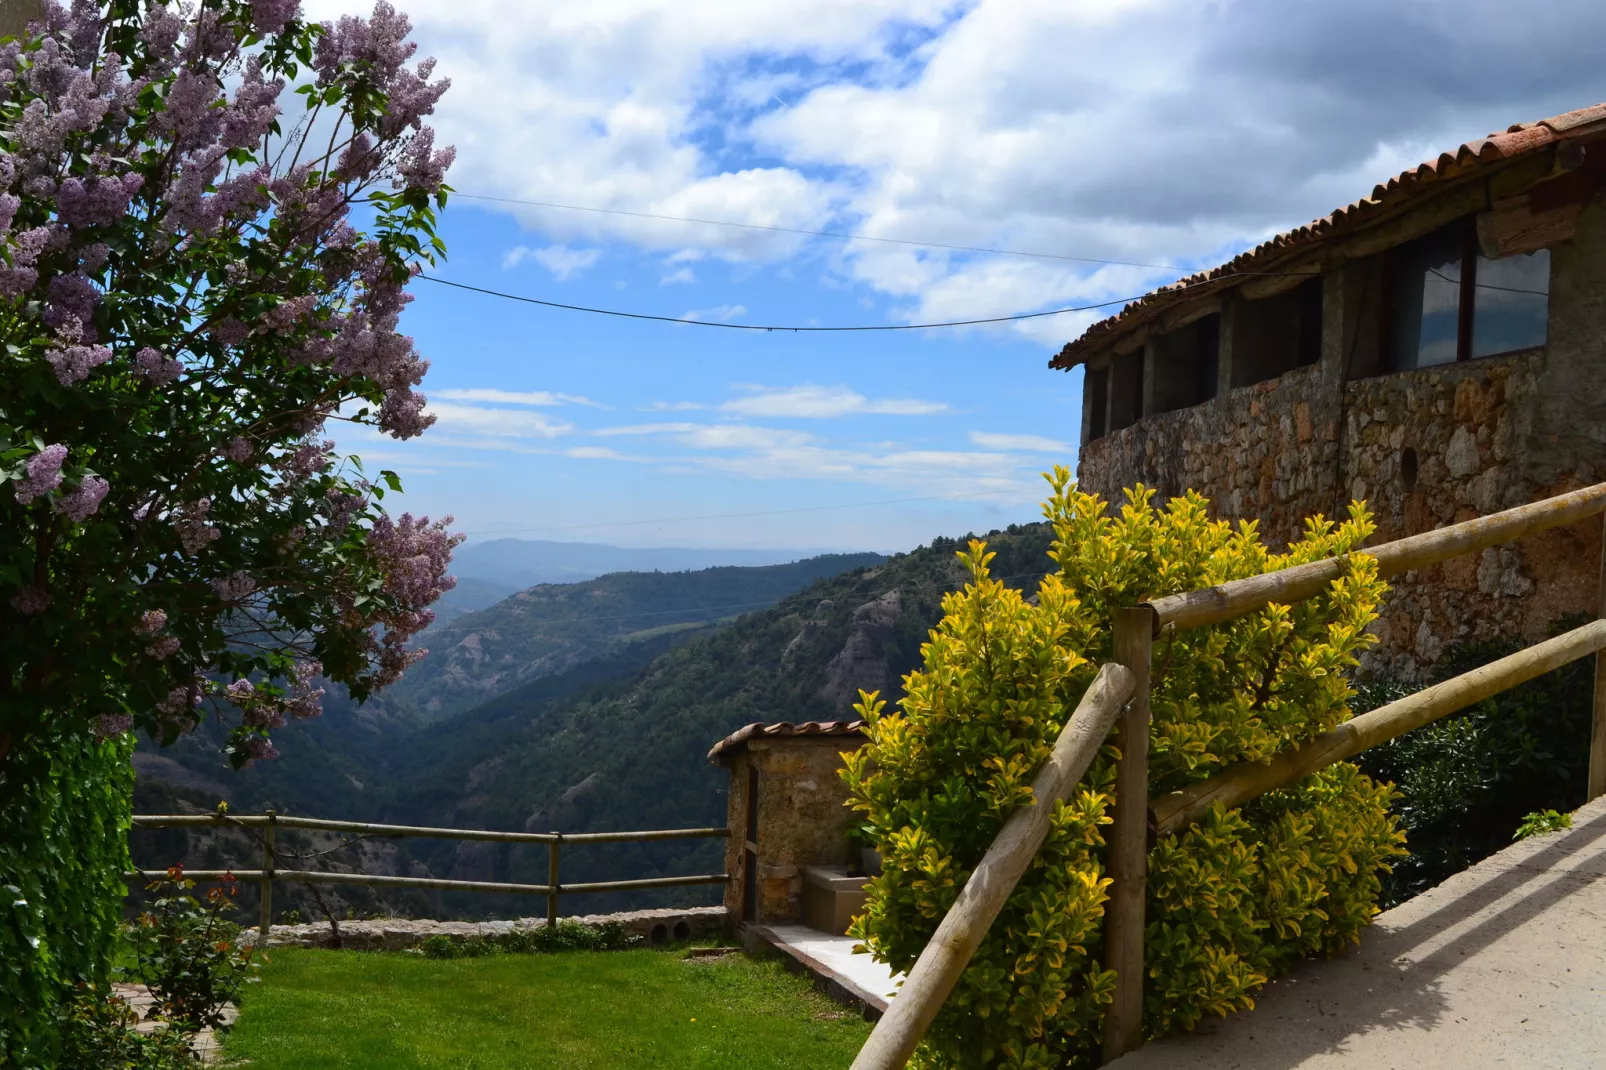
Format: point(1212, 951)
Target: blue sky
point(1151, 131)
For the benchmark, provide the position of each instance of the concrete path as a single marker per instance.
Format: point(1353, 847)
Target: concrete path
point(831, 959)
point(1503, 965)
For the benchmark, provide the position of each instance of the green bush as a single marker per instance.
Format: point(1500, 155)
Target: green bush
point(99, 1032)
point(1234, 899)
point(64, 810)
point(1466, 782)
point(540, 939)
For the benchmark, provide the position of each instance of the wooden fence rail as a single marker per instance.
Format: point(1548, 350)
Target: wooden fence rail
point(912, 1010)
point(1215, 605)
point(1136, 817)
point(271, 822)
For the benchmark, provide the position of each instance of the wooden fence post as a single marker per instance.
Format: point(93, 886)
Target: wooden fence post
point(1129, 839)
point(552, 879)
point(1597, 734)
point(265, 922)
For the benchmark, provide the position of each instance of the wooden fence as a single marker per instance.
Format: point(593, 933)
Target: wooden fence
point(1137, 817)
point(271, 822)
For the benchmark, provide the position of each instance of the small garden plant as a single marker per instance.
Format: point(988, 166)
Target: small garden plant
point(187, 952)
point(1231, 901)
point(1541, 822)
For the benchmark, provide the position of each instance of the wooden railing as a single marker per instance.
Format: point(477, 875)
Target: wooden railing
point(271, 822)
point(1137, 817)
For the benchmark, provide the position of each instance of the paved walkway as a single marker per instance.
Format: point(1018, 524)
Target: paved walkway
point(205, 1044)
point(1503, 965)
point(832, 959)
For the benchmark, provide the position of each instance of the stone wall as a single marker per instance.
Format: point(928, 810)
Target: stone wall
point(654, 927)
point(802, 819)
point(1424, 449)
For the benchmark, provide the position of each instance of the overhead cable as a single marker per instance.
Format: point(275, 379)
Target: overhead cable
point(780, 327)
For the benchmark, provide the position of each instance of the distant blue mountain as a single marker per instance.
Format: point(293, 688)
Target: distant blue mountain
point(510, 565)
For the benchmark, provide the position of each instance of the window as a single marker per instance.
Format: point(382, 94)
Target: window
point(1512, 303)
point(1451, 303)
point(1186, 363)
point(1096, 384)
point(1274, 335)
point(1126, 390)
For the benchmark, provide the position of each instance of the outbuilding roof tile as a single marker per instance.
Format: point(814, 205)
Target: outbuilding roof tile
point(758, 730)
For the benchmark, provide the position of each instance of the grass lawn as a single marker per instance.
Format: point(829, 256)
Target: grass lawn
point(586, 1010)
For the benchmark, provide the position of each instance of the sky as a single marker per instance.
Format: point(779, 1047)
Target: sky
point(1166, 133)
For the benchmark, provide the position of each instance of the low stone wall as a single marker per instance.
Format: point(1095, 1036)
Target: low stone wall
point(400, 934)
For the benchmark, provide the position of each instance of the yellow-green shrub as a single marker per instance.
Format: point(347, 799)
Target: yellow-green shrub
point(1231, 901)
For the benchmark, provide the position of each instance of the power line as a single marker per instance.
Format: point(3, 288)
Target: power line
point(727, 516)
point(819, 233)
point(795, 329)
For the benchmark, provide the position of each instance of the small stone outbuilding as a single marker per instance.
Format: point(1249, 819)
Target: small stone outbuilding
point(1437, 349)
point(786, 811)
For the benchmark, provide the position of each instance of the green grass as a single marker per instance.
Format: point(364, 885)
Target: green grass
point(585, 1010)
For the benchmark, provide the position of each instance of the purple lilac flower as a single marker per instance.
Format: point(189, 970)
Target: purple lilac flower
point(97, 200)
point(237, 449)
point(235, 586)
point(111, 725)
point(157, 366)
point(83, 499)
point(241, 692)
point(194, 533)
point(44, 473)
point(150, 622)
point(260, 748)
point(420, 167)
point(71, 307)
point(163, 648)
point(30, 600)
point(269, 16)
point(74, 363)
point(180, 700)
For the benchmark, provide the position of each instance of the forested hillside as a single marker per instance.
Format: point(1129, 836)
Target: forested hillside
point(618, 741)
point(634, 754)
point(551, 628)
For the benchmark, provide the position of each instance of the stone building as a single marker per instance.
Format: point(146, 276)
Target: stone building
point(786, 813)
point(1437, 349)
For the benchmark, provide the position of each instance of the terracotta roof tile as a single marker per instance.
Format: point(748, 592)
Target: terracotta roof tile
point(739, 738)
point(1499, 147)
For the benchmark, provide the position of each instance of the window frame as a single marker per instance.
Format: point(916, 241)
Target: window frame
point(1467, 298)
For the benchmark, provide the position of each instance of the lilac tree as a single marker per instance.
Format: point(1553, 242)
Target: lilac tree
point(209, 214)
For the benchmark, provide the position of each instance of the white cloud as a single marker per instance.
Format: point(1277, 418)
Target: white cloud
point(715, 436)
point(717, 314)
point(1105, 130)
point(541, 398)
point(1019, 443)
point(823, 402)
point(682, 274)
point(457, 419)
point(673, 406)
point(562, 261)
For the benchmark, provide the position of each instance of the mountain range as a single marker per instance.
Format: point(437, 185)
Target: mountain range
point(589, 707)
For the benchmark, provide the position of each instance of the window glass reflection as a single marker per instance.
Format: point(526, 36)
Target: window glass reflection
point(1512, 303)
point(1427, 302)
